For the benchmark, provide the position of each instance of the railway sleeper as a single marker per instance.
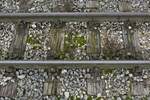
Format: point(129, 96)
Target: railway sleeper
point(9, 90)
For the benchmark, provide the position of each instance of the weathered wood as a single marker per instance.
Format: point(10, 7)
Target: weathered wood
point(62, 6)
point(45, 89)
point(139, 89)
point(10, 90)
point(95, 87)
point(24, 5)
point(50, 88)
point(131, 40)
point(125, 6)
point(57, 33)
point(93, 42)
point(56, 42)
point(93, 37)
point(18, 44)
point(129, 36)
point(92, 5)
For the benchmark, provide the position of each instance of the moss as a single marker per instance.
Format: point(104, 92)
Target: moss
point(128, 98)
point(36, 46)
point(61, 55)
point(115, 98)
point(77, 98)
point(89, 98)
point(107, 71)
point(145, 98)
point(79, 41)
point(98, 98)
point(72, 41)
point(32, 40)
point(58, 98)
point(72, 98)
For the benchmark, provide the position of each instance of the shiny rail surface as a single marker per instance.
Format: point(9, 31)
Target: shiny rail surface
point(75, 64)
point(76, 16)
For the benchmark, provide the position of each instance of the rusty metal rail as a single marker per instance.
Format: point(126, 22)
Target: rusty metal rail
point(76, 16)
point(75, 64)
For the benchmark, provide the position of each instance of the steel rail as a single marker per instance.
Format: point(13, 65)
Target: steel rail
point(76, 16)
point(76, 64)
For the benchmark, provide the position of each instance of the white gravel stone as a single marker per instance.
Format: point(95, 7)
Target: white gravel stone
point(33, 25)
point(130, 75)
point(145, 76)
point(64, 71)
point(99, 95)
point(7, 78)
point(119, 98)
point(66, 94)
point(21, 76)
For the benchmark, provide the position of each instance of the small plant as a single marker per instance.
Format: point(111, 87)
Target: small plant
point(107, 71)
point(129, 97)
point(34, 42)
point(72, 41)
point(72, 98)
point(90, 98)
point(77, 98)
point(115, 98)
point(58, 98)
point(99, 98)
point(145, 98)
point(31, 40)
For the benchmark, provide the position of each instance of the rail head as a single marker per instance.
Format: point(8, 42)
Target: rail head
point(76, 16)
point(75, 64)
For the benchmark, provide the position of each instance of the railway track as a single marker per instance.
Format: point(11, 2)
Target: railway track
point(76, 16)
point(28, 17)
point(88, 77)
point(75, 64)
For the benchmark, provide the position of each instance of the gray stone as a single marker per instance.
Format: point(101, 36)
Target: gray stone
point(21, 76)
